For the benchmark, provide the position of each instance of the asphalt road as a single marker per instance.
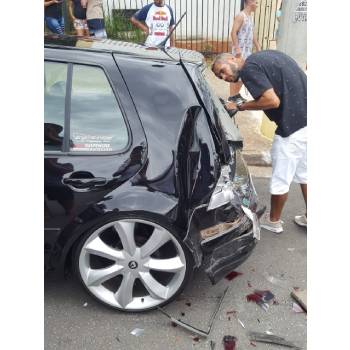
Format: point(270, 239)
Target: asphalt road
point(70, 323)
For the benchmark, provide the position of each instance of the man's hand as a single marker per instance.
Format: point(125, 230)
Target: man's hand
point(238, 53)
point(230, 106)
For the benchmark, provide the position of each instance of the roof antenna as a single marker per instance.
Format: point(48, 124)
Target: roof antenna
point(162, 44)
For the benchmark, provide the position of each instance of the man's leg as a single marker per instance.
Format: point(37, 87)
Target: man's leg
point(304, 191)
point(301, 220)
point(283, 170)
point(301, 173)
point(277, 204)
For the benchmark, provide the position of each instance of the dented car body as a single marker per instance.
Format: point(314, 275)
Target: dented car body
point(181, 172)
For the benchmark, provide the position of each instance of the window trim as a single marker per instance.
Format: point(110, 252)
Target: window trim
point(66, 149)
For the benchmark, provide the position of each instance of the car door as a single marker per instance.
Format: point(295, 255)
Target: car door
point(93, 138)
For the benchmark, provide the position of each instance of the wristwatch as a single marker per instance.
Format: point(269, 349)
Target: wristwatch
point(239, 105)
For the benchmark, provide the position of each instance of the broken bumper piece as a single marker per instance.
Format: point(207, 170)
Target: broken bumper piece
point(233, 249)
point(221, 247)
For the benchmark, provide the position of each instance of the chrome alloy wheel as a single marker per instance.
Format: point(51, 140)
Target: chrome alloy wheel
point(132, 264)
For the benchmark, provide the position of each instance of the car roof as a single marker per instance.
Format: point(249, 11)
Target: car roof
point(122, 47)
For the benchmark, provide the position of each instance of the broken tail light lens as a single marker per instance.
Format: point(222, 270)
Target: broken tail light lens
point(231, 188)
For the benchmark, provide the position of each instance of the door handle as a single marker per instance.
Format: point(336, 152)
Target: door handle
point(85, 183)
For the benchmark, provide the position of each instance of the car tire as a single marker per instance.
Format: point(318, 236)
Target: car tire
point(133, 263)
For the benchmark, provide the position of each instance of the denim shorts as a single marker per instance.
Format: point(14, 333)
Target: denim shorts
point(55, 25)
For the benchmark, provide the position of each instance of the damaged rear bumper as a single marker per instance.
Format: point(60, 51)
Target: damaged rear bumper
point(221, 237)
point(220, 254)
point(221, 257)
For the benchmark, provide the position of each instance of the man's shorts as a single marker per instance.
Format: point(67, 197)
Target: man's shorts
point(80, 24)
point(289, 161)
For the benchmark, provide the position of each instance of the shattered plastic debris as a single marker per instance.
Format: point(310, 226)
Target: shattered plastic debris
point(233, 275)
point(188, 304)
point(274, 280)
point(241, 323)
point(271, 339)
point(268, 332)
point(117, 339)
point(253, 344)
point(297, 308)
point(196, 339)
point(85, 304)
point(173, 324)
point(137, 332)
point(261, 297)
point(229, 342)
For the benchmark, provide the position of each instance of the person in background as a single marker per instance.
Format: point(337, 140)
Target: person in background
point(95, 18)
point(159, 21)
point(78, 15)
point(243, 39)
point(53, 16)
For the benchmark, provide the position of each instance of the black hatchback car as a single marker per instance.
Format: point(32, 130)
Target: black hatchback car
point(144, 177)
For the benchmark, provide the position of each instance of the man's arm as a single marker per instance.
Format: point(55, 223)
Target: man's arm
point(51, 2)
point(139, 25)
point(268, 100)
point(237, 24)
point(83, 3)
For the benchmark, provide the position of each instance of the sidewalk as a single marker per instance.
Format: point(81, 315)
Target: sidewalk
point(256, 147)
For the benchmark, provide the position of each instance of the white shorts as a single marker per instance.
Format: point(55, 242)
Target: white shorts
point(289, 161)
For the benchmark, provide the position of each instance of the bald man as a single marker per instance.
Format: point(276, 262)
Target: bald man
point(279, 88)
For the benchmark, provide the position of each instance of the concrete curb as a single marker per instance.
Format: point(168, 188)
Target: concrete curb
point(257, 159)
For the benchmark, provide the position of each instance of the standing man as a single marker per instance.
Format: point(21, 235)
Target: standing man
point(243, 38)
point(278, 87)
point(94, 16)
point(159, 21)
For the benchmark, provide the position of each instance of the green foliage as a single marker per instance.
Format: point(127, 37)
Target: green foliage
point(119, 27)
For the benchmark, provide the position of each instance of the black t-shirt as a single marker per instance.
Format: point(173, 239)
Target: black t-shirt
point(54, 11)
point(79, 12)
point(273, 69)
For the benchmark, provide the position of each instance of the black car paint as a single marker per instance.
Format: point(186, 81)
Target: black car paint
point(169, 169)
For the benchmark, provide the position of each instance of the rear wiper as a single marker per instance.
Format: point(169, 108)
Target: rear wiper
point(162, 44)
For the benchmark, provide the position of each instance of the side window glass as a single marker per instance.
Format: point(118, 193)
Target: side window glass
point(97, 123)
point(54, 105)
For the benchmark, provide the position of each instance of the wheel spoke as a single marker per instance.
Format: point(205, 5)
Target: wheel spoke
point(126, 234)
point(124, 294)
point(158, 238)
point(165, 265)
point(96, 277)
point(99, 248)
point(155, 289)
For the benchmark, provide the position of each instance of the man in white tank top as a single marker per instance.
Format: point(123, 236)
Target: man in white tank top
point(243, 37)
